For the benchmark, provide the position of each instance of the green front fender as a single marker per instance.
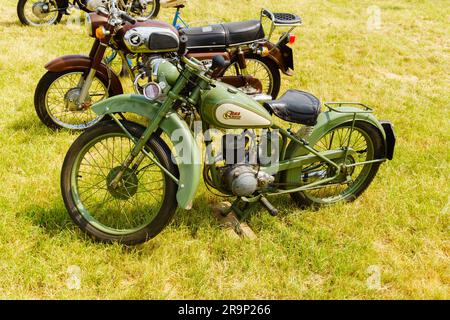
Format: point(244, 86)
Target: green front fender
point(190, 169)
point(325, 122)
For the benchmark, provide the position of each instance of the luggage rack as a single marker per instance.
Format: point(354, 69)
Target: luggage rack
point(280, 19)
point(358, 108)
point(362, 108)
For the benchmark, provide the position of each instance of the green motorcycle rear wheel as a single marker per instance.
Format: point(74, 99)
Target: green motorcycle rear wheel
point(368, 143)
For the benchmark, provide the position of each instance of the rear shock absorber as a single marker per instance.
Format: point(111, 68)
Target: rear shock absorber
point(241, 61)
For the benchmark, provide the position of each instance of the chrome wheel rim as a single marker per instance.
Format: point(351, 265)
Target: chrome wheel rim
point(147, 11)
point(57, 107)
point(41, 13)
point(256, 69)
point(127, 209)
point(340, 189)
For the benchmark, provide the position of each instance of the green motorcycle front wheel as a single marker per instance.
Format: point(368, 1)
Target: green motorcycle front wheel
point(141, 204)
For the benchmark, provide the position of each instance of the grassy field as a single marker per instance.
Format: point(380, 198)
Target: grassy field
point(397, 232)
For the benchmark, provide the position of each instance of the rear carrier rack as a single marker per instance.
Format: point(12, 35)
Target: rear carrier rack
point(280, 19)
point(362, 108)
point(355, 108)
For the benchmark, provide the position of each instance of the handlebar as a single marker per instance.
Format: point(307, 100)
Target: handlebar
point(116, 13)
point(268, 14)
point(193, 64)
point(102, 11)
point(127, 18)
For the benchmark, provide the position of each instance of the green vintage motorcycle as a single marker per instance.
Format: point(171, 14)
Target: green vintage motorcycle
point(122, 181)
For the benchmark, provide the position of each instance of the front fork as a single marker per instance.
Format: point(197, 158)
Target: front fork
point(138, 149)
point(96, 55)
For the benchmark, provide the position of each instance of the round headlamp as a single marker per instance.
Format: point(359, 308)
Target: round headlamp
point(152, 91)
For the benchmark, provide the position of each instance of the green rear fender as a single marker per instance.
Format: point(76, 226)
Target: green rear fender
point(190, 169)
point(325, 122)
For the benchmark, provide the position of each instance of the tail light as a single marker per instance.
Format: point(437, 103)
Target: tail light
point(291, 38)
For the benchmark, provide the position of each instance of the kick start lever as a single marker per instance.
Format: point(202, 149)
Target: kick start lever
point(272, 210)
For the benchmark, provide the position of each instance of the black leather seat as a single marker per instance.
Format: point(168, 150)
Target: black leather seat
point(224, 35)
point(296, 106)
point(212, 36)
point(244, 31)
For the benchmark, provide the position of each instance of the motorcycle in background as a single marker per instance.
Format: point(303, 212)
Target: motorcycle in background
point(73, 83)
point(47, 12)
point(121, 182)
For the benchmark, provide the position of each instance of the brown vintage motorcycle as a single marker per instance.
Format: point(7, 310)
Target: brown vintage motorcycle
point(73, 83)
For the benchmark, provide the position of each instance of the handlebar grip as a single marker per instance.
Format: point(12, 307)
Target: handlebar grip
point(102, 11)
point(127, 18)
point(268, 14)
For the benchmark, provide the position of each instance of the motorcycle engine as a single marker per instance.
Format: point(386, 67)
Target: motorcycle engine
point(92, 5)
point(244, 180)
point(241, 178)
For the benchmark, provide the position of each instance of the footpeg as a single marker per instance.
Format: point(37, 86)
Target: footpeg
point(272, 210)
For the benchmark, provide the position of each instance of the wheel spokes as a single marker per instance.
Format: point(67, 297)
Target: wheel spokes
point(36, 15)
point(132, 205)
point(339, 138)
point(257, 70)
point(66, 113)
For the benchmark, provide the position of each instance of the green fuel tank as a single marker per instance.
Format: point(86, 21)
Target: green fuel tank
point(226, 107)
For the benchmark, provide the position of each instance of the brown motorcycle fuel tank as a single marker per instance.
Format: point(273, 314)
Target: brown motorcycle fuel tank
point(148, 37)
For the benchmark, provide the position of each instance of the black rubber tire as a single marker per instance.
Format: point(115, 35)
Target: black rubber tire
point(156, 10)
point(379, 152)
point(23, 19)
point(271, 66)
point(41, 91)
point(163, 154)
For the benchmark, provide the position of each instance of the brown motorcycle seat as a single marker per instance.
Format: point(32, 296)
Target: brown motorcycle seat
point(223, 35)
